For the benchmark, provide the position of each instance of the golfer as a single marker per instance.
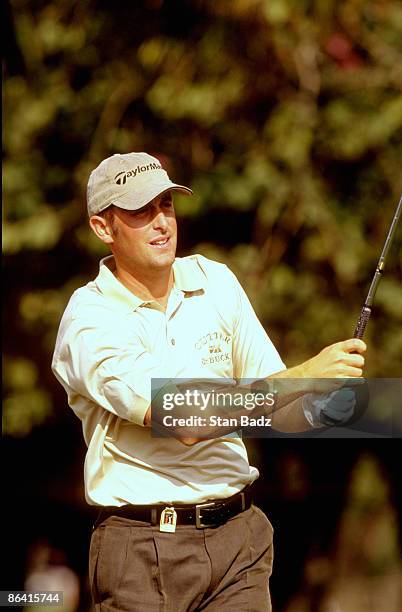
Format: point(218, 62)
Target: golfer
point(177, 529)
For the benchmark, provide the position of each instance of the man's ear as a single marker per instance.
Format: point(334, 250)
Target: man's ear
point(101, 228)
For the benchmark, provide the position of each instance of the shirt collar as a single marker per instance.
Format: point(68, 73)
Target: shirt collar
point(113, 288)
point(187, 277)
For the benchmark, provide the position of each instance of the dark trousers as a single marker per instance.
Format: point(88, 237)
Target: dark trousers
point(137, 568)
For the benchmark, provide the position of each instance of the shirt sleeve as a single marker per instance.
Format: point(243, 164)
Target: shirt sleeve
point(254, 354)
point(95, 359)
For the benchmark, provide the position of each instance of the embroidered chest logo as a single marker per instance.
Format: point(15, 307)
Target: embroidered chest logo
point(215, 347)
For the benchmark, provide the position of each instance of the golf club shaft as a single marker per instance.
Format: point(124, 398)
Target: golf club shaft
point(366, 310)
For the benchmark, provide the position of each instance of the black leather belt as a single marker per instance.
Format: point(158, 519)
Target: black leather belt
point(207, 514)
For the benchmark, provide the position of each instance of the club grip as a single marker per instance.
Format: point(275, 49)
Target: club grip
point(362, 322)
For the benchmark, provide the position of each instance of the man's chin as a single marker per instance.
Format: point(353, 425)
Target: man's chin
point(164, 260)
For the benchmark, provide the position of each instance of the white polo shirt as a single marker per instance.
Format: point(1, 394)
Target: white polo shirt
point(111, 343)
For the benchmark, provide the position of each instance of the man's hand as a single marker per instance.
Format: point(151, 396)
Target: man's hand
point(339, 360)
point(342, 360)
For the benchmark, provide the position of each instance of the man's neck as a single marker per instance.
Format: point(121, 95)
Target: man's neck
point(150, 287)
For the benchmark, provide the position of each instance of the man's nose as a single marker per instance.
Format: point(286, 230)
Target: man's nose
point(160, 221)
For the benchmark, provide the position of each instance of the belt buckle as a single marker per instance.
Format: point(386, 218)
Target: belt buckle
point(198, 515)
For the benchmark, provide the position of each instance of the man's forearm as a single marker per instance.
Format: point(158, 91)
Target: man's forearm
point(283, 410)
point(289, 417)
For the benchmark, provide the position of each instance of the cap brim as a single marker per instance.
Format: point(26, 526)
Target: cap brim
point(135, 199)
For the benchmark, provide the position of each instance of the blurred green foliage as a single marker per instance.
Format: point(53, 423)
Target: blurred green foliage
point(284, 116)
point(368, 534)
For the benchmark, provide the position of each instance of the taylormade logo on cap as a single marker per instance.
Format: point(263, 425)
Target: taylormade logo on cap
point(129, 181)
point(121, 178)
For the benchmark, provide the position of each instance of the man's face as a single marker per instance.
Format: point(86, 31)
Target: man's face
point(145, 240)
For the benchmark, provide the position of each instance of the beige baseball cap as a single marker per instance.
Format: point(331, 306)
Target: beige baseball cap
point(128, 181)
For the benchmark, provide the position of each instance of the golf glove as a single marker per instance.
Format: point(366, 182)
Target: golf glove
point(335, 408)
